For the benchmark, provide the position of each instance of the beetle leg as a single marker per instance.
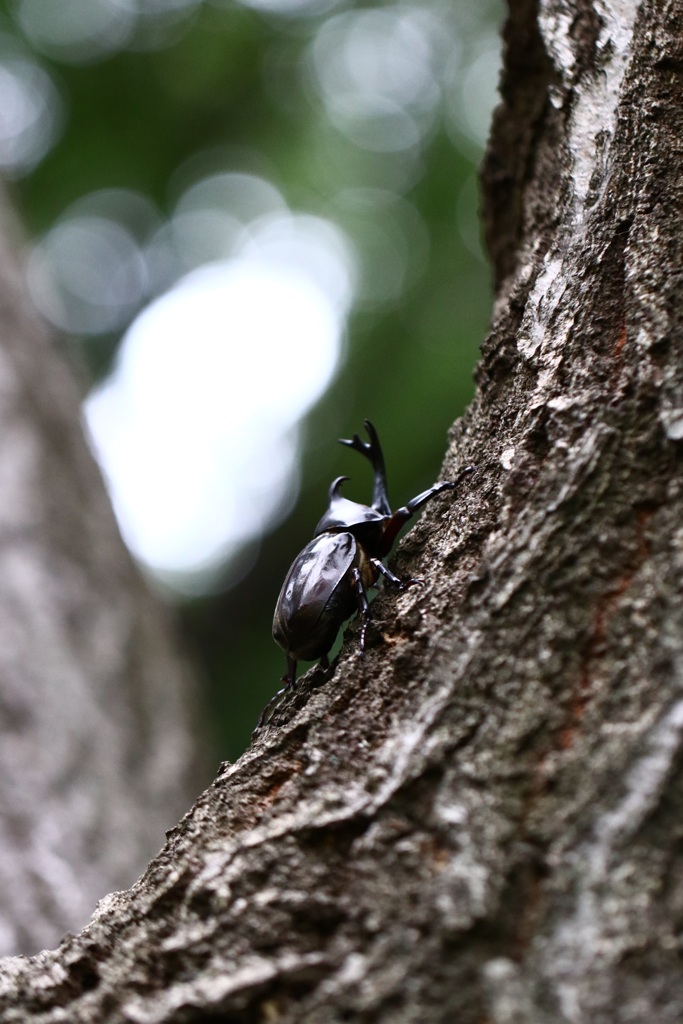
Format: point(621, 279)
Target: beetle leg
point(447, 485)
point(402, 515)
point(416, 581)
point(289, 679)
point(421, 499)
point(363, 606)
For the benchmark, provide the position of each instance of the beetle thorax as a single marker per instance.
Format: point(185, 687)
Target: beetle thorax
point(343, 514)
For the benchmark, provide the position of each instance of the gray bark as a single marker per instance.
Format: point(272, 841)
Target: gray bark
point(96, 746)
point(480, 820)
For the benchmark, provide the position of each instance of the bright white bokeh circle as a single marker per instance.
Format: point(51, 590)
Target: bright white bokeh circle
point(196, 427)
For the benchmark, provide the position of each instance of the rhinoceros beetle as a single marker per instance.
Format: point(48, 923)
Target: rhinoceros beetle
point(330, 578)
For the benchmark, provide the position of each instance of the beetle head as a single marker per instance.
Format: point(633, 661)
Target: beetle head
point(343, 514)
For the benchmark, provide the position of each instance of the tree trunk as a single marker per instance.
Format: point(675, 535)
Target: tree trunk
point(479, 822)
point(96, 748)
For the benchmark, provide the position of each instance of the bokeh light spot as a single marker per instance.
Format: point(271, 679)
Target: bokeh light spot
point(474, 90)
point(77, 30)
point(30, 114)
point(196, 427)
point(289, 8)
point(377, 74)
point(86, 31)
point(88, 275)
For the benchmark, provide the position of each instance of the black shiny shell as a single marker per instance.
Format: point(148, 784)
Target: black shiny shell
point(312, 604)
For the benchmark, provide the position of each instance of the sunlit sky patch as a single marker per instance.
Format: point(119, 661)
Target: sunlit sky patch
point(196, 427)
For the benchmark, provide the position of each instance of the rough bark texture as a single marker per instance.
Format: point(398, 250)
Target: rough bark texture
point(96, 752)
point(480, 821)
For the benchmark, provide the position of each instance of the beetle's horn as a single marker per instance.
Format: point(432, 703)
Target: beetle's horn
point(335, 488)
point(373, 452)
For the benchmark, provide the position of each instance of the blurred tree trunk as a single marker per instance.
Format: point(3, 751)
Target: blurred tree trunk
point(96, 751)
point(480, 821)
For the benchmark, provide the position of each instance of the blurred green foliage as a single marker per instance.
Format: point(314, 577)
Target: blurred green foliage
point(237, 81)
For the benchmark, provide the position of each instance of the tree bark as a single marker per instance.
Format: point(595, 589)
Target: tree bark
point(96, 742)
point(479, 821)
